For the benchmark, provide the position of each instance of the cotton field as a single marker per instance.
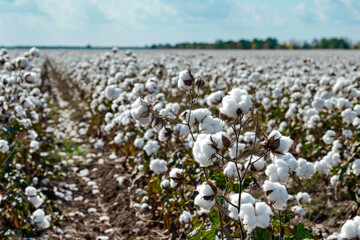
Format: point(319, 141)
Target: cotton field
point(166, 144)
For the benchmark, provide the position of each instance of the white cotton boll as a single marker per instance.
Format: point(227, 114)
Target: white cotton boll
point(285, 142)
point(112, 92)
point(165, 183)
point(329, 137)
point(22, 62)
point(231, 171)
point(337, 146)
point(334, 180)
point(255, 215)
point(149, 134)
point(232, 150)
point(140, 112)
point(234, 199)
point(299, 212)
point(323, 166)
point(152, 86)
point(206, 197)
point(303, 197)
point(139, 142)
point(276, 193)
point(99, 144)
point(151, 147)
point(229, 107)
point(181, 129)
point(34, 146)
point(32, 135)
point(278, 171)
point(347, 133)
point(290, 160)
point(215, 98)
point(257, 163)
point(30, 191)
point(4, 147)
point(245, 104)
point(165, 134)
point(305, 169)
point(211, 125)
point(186, 80)
point(342, 103)
point(158, 166)
point(30, 77)
point(349, 230)
point(356, 167)
point(176, 175)
point(185, 217)
point(40, 219)
point(348, 115)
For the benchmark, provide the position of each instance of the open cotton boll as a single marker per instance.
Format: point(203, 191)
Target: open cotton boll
point(158, 166)
point(211, 125)
point(255, 215)
point(215, 98)
point(347, 133)
point(139, 142)
point(234, 199)
point(141, 112)
point(186, 80)
point(356, 167)
point(348, 115)
point(206, 197)
point(181, 129)
point(165, 134)
point(303, 197)
point(334, 180)
point(232, 150)
point(229, 107)
point(165, 183)
point(34, 146)
point(329, 137)
point(277, 143)
point(350, 230)
point(185, 217)
point(299, 212)
point(4, 147)
point(231, 171)
point(305, 169)
point(176, 175)
point(290, 160)
point(257, 164)
point(337, 146)
point(40, 219)
point(276, 193)
point(278, 171)
point(151, 147)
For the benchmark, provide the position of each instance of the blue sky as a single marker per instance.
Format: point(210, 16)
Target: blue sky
point(144, 22)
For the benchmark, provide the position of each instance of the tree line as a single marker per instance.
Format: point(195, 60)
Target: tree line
point(269, 43)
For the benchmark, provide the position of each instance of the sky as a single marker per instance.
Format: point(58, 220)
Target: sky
point(146, 22)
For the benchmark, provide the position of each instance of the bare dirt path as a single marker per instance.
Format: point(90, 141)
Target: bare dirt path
point(99, 207)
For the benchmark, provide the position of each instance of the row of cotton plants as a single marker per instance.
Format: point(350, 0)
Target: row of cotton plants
point(27, 157)
point(226, 144)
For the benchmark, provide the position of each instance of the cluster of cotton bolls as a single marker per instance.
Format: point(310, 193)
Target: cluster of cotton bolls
point(133, 99)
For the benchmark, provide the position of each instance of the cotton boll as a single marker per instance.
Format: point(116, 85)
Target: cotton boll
point(4, 147)
point(350, 230)
point(185, 217)
point(303, 197)
point(278, 171)
point(215, 98)
point(255, 215)
point(356, 167)
point(305, 169)
point(211, 125)
point(158, 166)
point(140, 112)
point(40, 219)
point(337, 146)
point(176, 176)
point(276, 193)
point(206, 197)
point(257, 164)
point(229, 107)
point(165, 134)
point(149, 134)
point(139, 142)
point(186, 80)
point(299, 212)
point(277, 143)
point(34, 146)
point(181, 129)
point(151, 147)
point(347, 133)
point(329, 136)
point(231, 171)
point(232, 150)
point(234, 199)
point(334, 180)
point(165, 183)
point(348, 115)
